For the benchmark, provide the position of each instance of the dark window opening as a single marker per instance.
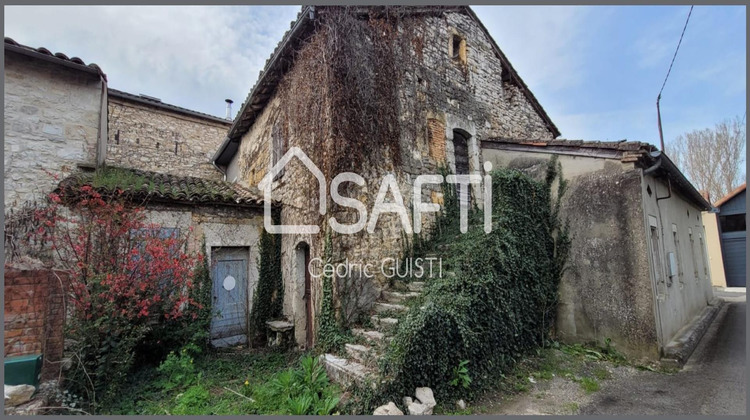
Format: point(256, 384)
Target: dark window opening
point(280, 145)
point(648, 190)
point(456, 40)
point(461, 155)
point(732, 223)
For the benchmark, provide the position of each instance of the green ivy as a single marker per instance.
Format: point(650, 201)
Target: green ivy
point(269, 296)
point(330, 336)
point(500, 303)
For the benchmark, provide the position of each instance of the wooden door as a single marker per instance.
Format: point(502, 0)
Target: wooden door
point(230, 303)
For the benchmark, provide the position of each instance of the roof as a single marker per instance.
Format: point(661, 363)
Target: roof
point(283, 56)
point(148, 100)
point(643, 155)
point(58, 57)
point(731, 195)
point(623, 149)
point(149, 186)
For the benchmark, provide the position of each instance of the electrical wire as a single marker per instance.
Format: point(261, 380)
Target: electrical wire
point(675, 51)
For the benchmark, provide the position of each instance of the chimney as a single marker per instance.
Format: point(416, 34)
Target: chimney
point(229, 108)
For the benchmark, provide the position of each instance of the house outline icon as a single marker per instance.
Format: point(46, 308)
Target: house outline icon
point(267, 183)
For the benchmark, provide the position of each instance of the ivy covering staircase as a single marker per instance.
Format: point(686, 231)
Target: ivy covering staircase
point(358, 361)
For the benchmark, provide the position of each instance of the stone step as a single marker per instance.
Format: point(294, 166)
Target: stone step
point(398, 297)
point(384, 324)
point(374, 337)
point(364, 355)
point(344, 371)
point(415, 286)
point(381, 307)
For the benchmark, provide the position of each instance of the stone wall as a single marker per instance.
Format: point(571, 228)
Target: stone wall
point(219, 227)
point(158, 139)
point(438, 95)
point(51, 125)
point(34, 315)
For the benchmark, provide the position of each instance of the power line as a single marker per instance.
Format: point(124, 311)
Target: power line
point(675, 51)
point(658, 98)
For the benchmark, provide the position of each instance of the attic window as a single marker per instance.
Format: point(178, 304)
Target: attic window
point(458, 48)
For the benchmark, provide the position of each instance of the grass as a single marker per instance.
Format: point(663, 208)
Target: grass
point(572, 407)
point(223, 383)
point(589, 385)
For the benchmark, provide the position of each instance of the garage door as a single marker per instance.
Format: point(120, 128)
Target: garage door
point(735, 262)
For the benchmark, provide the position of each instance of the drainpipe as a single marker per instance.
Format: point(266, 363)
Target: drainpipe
point(213, 162)
point(223, 172)
point(101, 144)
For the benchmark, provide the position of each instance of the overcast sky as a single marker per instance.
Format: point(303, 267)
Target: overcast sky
point(596, 70)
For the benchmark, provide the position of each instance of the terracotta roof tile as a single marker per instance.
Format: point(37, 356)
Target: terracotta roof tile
point(10, 42)
point(146, 185)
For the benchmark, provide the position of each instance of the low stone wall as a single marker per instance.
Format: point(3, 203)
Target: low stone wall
point(35, 315)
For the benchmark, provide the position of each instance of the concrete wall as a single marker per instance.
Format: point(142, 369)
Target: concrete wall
point(156, 139)
point(713, 246)
point(680, 231)
point(52, 116)
point(606, 291)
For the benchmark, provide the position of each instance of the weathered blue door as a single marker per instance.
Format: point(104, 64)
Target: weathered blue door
point(230, 302)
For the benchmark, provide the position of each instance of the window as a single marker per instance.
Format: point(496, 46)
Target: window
point(456, 40)
point(732, 223)
point(676, 241)
point(655, 254)
point(457, 48)
point(279, 145)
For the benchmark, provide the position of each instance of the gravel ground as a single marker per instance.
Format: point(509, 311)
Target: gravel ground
point(712, 382)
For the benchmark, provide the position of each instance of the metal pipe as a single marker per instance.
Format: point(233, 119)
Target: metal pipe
point(229, 108)
point(658, 117)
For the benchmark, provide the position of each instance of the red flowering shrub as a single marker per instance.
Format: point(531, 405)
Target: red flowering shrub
point(127, 278)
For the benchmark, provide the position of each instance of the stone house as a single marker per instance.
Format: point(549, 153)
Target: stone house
point(460, 103)
point(62, 121)
point(434, 72)
point(408, 91)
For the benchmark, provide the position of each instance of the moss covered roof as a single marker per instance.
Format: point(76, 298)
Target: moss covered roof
point(152, 186)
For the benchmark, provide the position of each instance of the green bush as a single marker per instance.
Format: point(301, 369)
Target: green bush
point(502, 299)
point(195, 400)
point(178, 370)
point(305, 390)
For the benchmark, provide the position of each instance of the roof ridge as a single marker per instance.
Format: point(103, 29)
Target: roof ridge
point(148, 101)
point(15, 45)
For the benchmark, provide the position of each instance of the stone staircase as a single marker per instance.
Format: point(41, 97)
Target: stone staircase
point(359, 363)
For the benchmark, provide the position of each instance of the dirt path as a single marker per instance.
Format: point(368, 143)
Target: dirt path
point(712, 382)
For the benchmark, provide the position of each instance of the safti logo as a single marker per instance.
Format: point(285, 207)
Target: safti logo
point(388, 183)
